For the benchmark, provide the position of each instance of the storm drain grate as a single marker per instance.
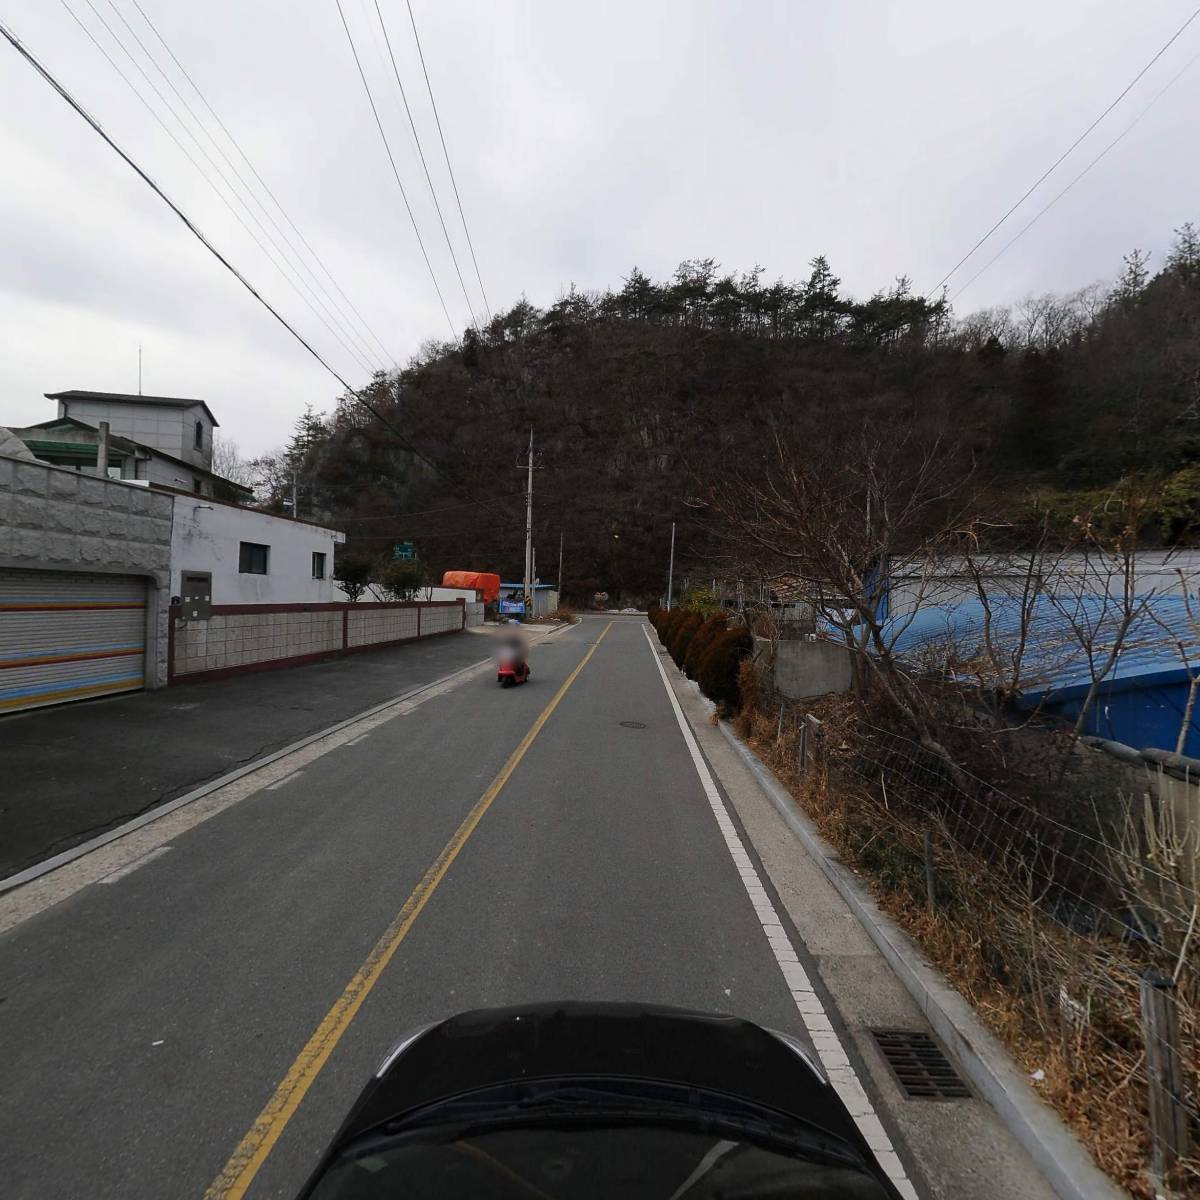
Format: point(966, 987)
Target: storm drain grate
point(919, 1065)
point(633, 724)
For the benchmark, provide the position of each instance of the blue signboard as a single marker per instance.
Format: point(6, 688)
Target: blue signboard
point(404, 551)
point(514, 608)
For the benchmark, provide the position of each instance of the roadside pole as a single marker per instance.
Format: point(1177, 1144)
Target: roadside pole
point(671, 568)
point(529, 532)
point(560, 541)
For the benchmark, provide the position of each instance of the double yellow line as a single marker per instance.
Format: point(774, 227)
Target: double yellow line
point(252, 1151)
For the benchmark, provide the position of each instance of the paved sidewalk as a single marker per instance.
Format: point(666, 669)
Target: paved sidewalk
point(74, 771)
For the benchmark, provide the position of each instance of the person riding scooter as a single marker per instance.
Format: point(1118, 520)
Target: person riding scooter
point(511, 656)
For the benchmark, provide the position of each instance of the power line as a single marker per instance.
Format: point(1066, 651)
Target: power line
point(345, 321)
point(17, 45)
point(446, 153)
point(359, 361)
point(395, 171)
point(387, 354)
point(192, 228)
point(1042, 212)
point(429, 512)
point(339, 317)
point(425, 166)
point(363, 347)
point(1041, 178)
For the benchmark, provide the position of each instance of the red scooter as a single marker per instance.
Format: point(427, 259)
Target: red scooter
point(511, 668)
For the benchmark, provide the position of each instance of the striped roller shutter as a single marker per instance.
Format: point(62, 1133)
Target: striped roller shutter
point(65, 636)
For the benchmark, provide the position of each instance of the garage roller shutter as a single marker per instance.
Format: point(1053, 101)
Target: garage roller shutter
point(66, 636)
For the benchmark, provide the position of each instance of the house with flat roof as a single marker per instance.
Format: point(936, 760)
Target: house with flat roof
point(166, 440)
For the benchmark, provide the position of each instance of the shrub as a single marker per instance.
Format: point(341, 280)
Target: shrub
point(352, 573)
point(718, 674)
point(701, 642)
point(564, 612)
point(666, 628)
point(681, 638)
point(655, 615)
point(398, 578)
point(701, 600)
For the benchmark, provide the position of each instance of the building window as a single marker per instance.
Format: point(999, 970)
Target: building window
point(199, 435)
point(318, 565)
point(253, 558)
point(197, 484)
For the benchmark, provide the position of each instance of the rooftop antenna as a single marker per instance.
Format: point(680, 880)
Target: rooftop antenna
point(139, 368)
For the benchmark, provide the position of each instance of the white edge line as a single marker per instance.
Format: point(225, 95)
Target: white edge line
point(130, 867)
point(827, 1044)
point(29, 874)
point(286, 779)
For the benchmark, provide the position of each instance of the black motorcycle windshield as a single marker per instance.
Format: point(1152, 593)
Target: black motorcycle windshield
point(572, 1162)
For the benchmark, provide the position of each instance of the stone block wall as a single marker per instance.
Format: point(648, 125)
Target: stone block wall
point(55, 519)
point(237, 637)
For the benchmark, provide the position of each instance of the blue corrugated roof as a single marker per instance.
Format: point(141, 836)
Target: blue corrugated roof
point(1161, 642)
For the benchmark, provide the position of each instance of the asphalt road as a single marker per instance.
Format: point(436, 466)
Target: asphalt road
point(85, 768)
point(147, 1019)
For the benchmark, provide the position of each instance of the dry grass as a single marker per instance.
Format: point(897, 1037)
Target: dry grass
point(1063, 1004)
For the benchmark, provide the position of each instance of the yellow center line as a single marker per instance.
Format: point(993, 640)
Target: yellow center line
point(252, 1151)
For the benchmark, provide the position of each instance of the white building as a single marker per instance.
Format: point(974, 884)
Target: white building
point(225, 554)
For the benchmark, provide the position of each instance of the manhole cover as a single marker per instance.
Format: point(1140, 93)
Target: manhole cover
point(633, 725)
point(920, 1067)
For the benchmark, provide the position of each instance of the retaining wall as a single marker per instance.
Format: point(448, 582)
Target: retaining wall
point(54, 519)
point(253, 637)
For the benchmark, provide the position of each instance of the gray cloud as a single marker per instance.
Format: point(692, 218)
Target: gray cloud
point(586, 138)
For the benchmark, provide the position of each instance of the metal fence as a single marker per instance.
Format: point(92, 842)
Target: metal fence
point(1086, 913)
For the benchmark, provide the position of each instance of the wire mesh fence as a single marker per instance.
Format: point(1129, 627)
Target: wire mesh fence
point(1081, 913)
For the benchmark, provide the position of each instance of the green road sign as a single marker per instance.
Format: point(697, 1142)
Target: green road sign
point(404, 551)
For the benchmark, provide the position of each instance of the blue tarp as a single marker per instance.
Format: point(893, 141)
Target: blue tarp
point(1142, 698)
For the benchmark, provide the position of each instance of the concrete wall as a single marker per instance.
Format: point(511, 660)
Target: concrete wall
point(207, 536)
point(814, 667)
point(474, 613)
point(52, 519)
point(239, 638)
point(169, 474)
point(171, 430)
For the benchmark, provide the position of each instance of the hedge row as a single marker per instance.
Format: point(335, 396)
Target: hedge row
point(707, 650)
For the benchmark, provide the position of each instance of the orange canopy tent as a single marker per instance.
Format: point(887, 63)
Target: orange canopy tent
point(481, 581)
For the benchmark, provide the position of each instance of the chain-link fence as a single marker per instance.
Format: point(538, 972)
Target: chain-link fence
point(1071, 922)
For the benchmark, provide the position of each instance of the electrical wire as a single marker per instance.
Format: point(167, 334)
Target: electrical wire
point(424, 165)
point(428, 512)
point(30, 58)
point(1041, 178)
point(387, 354)
point(1042, 212)
point(317, 288)
point(297, 283)
point(359, 361)
point(391, 159)
point(458, 199)
point(192, 228)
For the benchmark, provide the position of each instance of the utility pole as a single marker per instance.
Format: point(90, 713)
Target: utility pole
point(560, 540)
point(671, 568)
point(294, 512)
point(529, 531)
point(139, 368)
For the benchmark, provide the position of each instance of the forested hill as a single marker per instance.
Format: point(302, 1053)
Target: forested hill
point(636, 396)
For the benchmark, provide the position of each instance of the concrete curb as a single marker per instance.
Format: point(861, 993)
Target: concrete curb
point(29, 874)
point(1066, 1164)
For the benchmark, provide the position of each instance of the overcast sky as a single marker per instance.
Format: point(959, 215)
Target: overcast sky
point(586, 138)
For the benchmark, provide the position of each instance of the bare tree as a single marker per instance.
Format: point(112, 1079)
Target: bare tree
point(845, 503)
point(228, 463)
